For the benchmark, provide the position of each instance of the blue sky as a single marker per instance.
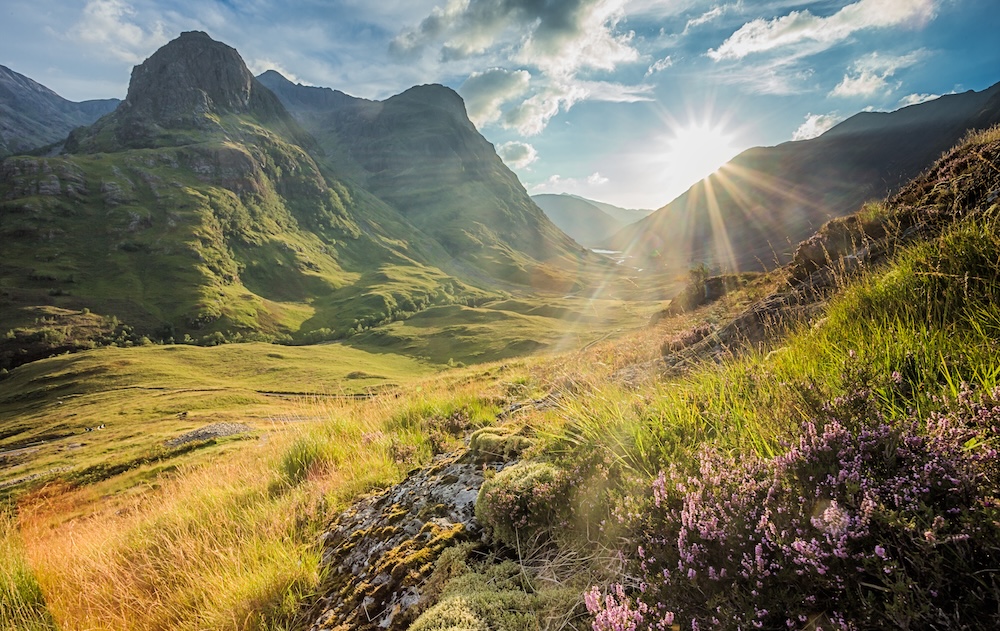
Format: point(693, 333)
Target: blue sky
point(624, 101)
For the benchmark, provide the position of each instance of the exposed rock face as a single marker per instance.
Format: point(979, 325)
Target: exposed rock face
point(380, 552)
point(185, 85)
point(32, 116)
point(194, 74)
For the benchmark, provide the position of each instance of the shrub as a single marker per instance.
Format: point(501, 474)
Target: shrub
point(861, 524)
point(521, 505)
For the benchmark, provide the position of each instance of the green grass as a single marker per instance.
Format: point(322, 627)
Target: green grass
point(147, 395)
point(22, 605)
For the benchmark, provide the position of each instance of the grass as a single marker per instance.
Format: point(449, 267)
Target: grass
point(223, 536)
point(22, 604)
point(230, 542)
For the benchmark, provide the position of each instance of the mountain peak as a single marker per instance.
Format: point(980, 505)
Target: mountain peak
point(179, 93)
point(194, 75)
point(434, 95)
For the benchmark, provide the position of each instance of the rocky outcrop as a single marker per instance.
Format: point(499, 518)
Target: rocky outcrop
point(191, 76)
point(183, 87)
point(379, 553)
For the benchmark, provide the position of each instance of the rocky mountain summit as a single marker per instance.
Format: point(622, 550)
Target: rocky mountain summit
point(187, 84)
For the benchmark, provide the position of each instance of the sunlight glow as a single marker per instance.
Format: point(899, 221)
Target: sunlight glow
point(697, 150)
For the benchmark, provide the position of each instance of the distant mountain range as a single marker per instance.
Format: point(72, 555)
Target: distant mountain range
point(752, 212)
point(33, 116)
point(208, 203)
point(589, 222)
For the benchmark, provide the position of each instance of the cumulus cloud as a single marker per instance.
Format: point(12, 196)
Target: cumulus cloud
point(870, 75)
point(553, 42)
point(816, 125)
point(914, 99)
point(517, 155)
point(260, 65)
point(110, 27)
point(486, 92)
point(558, 36)
point(531, 116)
point(799, 27)
point(660, 66)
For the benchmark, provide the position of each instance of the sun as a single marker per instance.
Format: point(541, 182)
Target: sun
point(696, 150)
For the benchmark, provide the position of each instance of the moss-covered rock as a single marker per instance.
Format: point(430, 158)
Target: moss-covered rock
point(497, 444)
point(379, 554)
point(522, 505)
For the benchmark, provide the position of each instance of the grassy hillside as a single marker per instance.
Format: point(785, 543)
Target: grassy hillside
point(832, 464)
point(419, 153)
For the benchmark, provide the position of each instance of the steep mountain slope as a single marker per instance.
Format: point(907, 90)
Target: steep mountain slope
point(33, 116)
point(193, 209)
point(579, 218)
point(419, 152)
point(750, 213)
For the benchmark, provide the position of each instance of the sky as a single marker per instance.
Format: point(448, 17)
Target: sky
point(624, 101)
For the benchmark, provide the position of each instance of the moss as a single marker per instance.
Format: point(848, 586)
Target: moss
point(523, 505)
point(497, 444)
point(493, 596)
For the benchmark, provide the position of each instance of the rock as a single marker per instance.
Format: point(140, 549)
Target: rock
point(379, 553)
point(215, 430)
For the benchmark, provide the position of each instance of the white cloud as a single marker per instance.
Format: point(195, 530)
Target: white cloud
point(259, 66)
point(517, 155)
point(777, 75)
point(816, 125)
point(530, 117)
point(559, 36)
point(552, 41)
point(660, 66)
point(705, 18)
point(871, 74)
point(109, 27)
point(586, 187)
point(486, 92)
point(803, 27)
point(914, 99)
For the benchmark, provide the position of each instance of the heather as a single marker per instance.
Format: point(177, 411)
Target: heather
point(862, 523)
point(845, 478)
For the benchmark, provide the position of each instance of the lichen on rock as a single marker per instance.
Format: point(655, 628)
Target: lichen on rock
point(379, 553)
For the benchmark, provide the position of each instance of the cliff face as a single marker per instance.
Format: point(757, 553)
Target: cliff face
point(184, 86)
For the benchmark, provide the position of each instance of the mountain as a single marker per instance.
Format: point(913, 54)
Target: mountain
point(579, 218)
point(624, 215)
point(752, 211)
point(419, 152)
point(33, 116)
point(197, 209)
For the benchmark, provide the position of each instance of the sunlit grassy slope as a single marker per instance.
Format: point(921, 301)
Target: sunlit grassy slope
point(223, 536)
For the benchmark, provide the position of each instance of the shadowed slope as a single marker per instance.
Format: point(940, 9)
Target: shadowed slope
point(751, 212)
